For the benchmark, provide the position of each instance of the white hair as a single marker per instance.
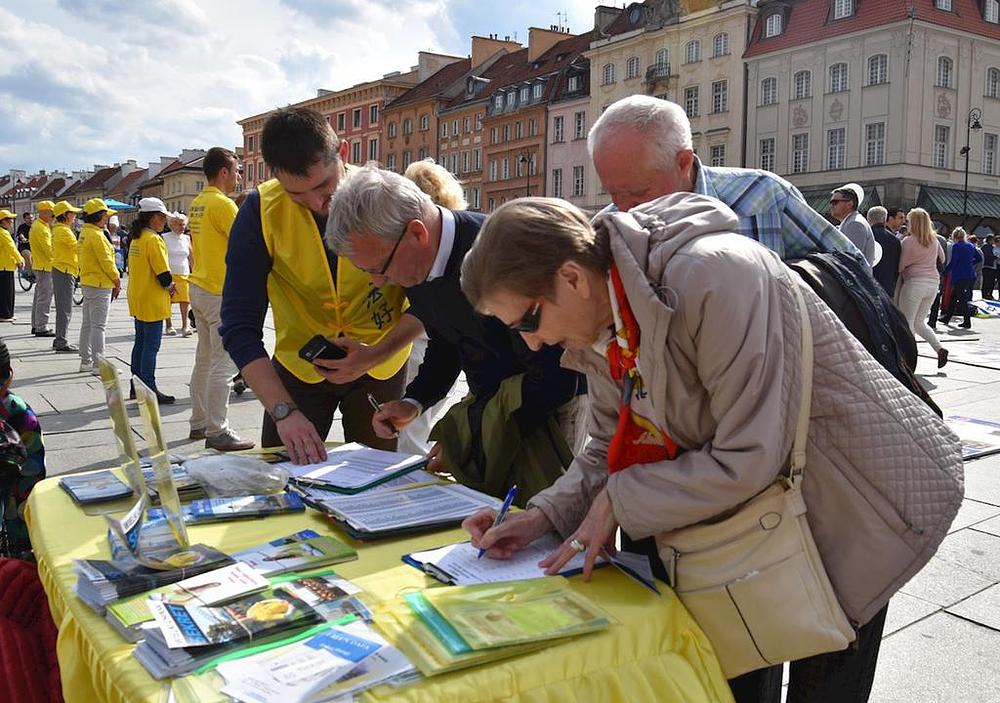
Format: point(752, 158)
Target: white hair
point(375, 201)
point(877, 215)
point(665, 124)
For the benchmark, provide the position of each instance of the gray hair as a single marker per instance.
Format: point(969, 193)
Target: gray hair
point(665, 124)
point(877, 215)
point(375, 201)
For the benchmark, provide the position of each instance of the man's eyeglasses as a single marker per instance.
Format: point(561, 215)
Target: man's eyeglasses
point(392, 254)
point(529, 323)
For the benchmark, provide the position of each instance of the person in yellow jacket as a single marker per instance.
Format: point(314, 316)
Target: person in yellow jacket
point(65, 269)
point(99, 281)
point(150, 286)
point(10, 261)
point(276, 256)
point(40, 240)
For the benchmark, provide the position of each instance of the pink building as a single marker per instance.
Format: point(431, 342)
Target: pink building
point(566, 157)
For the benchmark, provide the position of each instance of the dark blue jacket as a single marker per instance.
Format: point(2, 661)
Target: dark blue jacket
point(964, 257)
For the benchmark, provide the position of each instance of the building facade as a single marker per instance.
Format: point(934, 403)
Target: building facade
point(567, 157)
point(887, 95)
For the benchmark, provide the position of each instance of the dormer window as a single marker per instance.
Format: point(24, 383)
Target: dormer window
point(498, 102)
point(991, 11)
point(511, 98)
point(524, 94)
point(536, 91)
point(574, 83)
point(772, 25)
point(843, 8)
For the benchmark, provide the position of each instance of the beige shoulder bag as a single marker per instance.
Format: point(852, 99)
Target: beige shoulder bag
point(754, 581)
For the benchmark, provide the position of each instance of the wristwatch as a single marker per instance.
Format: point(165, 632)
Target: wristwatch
point(281, 410)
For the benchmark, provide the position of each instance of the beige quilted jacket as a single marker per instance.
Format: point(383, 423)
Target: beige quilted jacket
point(721, 358)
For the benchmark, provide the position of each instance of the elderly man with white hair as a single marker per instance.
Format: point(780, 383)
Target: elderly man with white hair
point(886, 268)
point(642, 149)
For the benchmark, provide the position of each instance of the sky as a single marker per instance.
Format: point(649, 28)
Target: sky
point(86, 82)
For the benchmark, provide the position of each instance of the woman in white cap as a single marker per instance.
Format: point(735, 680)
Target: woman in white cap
point(100, 281)
point(149, 289)
point(181, 262)
point(65, 269)
point(10, 261)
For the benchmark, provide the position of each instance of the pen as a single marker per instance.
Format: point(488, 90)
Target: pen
point(502, 515)
point(376, 407)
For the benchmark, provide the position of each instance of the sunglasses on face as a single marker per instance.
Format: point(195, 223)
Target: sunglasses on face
point(837, 200)
point(529, 323)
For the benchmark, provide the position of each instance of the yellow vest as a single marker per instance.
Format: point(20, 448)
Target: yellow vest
point(148, 301)
point(303, 297)
point(64, 257)
point(10, 257)
point(97, 259)
point(212, 214)
point(40, 239)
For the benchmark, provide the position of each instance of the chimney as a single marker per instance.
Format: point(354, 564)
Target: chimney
point(604, 16)
point(484, 47)
point(541, 40)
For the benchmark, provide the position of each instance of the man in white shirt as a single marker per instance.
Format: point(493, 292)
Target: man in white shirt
point(844, 203)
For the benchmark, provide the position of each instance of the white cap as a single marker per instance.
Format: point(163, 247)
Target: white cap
point(858, 191)
point(114, 221)
point(153, 205)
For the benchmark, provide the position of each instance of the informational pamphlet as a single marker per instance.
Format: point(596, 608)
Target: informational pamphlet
point(94, 487)
point(352, 468)
point(979, 437)
point(242, 507)
point(302, 551)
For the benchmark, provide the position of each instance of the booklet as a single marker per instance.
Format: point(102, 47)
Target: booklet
point(94, 487)
point(352, 468)
point(299, 552)
point(243, 507)
point(295, 672)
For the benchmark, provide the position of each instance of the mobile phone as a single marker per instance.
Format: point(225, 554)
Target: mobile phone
point(319, 347)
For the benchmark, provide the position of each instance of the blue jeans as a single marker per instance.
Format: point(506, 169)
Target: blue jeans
point(147, 343)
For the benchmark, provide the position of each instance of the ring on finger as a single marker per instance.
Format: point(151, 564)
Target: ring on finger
point(577, 546)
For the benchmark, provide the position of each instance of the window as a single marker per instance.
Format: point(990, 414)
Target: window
point(632, 68)
point(465, 125)
point(479, 122)
point(836, 148)
point(720, 96)
point(465, 162)
point(944, 69)
point(491, 201)
point(720, 44)
point(990, 154)
point(511, 99)
point(493, 135)
point(356, 118)
point(767, 154)
point(769, 91)
point(250, 143)
point(574, 83)
point(505, 131)
point(800, 153)
point(991, 11)
point(662, 62)
point(842, 9)
point(505, 168)
point(518, 167)
point(557, 183)
point(199, 186)
point(425, 123)
point(475, 198)
point(390, 162)
point(407, 126)
point(454, 162)
point(557, 129)
point(518, 130)
point(579, 125)
point(498, 102)
point(941, 138)
point(260, 171)
point(691, 101)
point(943, 5)
point(373, 149)
point(493, 170)
point(609, 74)
point(454, 128)
point(356, 152)
point(993, 83)
point(391, 130)
point(525, 92)
point(373, 114)
point(878, 69)
point(802, 85)
point(536, 91)
point(341, 121)
point(718, 155)
point(838, 77)
point(478, 159)
point(532, 127)
point(692, 51)
point(577, 181)
point(772, 25)
point(407, 159)
point(875, 144)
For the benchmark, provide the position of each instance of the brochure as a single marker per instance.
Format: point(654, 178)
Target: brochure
point(243, 507)
point(352, 468)
point(299, 552)
point(94, 487)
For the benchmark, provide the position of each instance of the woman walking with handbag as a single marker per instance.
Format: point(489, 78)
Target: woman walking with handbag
point(711, 368)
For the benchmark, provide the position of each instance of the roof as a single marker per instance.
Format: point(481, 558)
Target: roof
point(819, 200)
point(805, 20)
point(948, 201)
point(130, 179)
point(434, 86)
point(97, 181)
point(50, 190)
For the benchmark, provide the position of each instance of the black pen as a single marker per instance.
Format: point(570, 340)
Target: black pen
point(378, 408)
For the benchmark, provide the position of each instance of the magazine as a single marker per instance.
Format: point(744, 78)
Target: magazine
point(95, 487)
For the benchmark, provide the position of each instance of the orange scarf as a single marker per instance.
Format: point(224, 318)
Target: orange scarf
point(637, 439)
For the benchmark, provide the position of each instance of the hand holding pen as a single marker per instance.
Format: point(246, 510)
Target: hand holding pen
point(502, 515)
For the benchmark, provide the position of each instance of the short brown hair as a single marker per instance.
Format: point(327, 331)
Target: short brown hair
point(296, 138)
point(217, 159)
point(524, 242)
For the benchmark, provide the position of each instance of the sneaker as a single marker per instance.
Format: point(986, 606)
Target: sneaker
point(68, 349)
point(942, 357)
point(185, 331)
point(170, 332)
point(228, 441)
point(966, 325)
point(164, 399)
point(86, 368)
point(45, 333)
point(197, 434)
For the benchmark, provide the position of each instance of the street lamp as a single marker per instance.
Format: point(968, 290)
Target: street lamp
point(973, 122)
point(525, 160)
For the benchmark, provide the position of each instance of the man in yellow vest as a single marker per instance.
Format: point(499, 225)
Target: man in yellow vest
point(212, 214)
point(40, 239)
point(276, 255)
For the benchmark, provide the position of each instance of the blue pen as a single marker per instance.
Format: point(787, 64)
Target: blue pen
point(502, 515)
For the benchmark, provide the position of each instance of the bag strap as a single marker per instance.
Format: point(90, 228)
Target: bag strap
point(797, 463)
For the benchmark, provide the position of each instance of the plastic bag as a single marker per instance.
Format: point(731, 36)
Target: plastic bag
point(230, 476)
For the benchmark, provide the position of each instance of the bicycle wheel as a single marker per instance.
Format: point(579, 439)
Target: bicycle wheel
point(77, 293)
point(25, 282)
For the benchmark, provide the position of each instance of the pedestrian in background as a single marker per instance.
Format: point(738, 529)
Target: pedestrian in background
point(989, 267)
point(962, 270)
point(844, 204)
point(919, 258)
point(149, 289)
point(181, 262)
point(40, 238)
point(65, 269)
point(886, 269)
point(10, 261)
point(100, 281)
point(23, 240)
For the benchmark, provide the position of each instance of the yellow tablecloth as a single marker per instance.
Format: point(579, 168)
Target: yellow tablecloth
point(657, 653)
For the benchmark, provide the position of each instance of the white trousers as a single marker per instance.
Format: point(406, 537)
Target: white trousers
point(915, 298)
point(212, 376)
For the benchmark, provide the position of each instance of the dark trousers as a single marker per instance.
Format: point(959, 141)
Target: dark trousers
point(837, 677)
point(989, 283)
point(148, 336)
point(6, 294)
point(961, 296)
point(319, 401)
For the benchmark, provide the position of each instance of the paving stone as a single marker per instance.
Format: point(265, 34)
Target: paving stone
point(976, 551)
point(991, 526)
point(972, 512)
point(983, 607)
point(945, 583)
point(905, 610)
point(982, 480)
point(941, 658)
